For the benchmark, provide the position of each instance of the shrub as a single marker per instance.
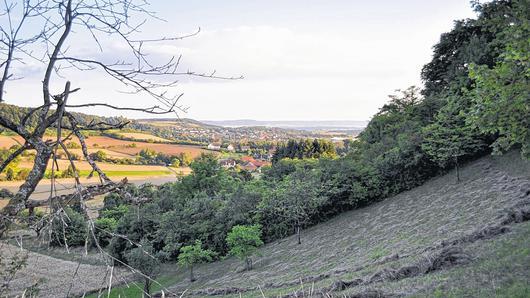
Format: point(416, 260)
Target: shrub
point(68, 227)
point(104, 228)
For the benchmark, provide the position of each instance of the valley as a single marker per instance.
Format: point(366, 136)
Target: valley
point(110, 187)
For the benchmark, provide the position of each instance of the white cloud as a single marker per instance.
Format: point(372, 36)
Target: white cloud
point(342, 69)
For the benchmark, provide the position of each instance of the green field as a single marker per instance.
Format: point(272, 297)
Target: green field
point(135, 289)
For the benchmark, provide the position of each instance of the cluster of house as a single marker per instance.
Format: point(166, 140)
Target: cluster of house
point(247, 163)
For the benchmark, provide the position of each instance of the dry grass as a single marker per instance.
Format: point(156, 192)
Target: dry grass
point(58, 276)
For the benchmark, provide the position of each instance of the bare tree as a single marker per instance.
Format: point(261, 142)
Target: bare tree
point(57, 20)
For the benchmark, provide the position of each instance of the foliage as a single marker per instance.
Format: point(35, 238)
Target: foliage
point(475, 96)
point(68, 228)
point(104, 229)
point(301, 149)
point(98, 155)
point(141, 258)
point(194, 254)
point(293, 202)
point(501, 95)
point(115, 213)
point(73, 145)
point(244, 241)
point(12, 171)
point(150, 157)
point(450, 137)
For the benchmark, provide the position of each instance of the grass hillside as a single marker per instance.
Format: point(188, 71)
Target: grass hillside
point(443, 238)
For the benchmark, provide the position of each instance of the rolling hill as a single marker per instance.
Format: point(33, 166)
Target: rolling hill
point(443, 238)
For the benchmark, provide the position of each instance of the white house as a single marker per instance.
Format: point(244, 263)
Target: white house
point(213, 146)
point(230, 148)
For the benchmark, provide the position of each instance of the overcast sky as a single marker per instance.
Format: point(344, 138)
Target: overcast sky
point(301, 59)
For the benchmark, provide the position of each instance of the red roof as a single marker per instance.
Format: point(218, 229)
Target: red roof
point(249, 166)
point(260, 163)
point(248, 159)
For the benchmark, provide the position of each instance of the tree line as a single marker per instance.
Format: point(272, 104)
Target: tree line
point(304, 148)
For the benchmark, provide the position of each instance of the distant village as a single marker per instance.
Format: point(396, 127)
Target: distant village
point(198, 132)
point(254, 160)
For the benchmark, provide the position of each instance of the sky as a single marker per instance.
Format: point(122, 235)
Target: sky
point(301, 59)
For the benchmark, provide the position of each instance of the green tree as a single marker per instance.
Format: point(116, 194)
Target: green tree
point(98, 155)
point(68, 228)
point(501, 95)
point(450, 138)
point(194, 254)
point(142, 259)
point(243, 242)
point(12, 169)
point(104, 229)
point(175, 162)
point(185, 159)
point(295, 199)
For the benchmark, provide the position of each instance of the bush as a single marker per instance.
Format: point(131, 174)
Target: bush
point(10, 174)
point(115, 213)
point(73, 145)
point(104, 228)
point(68, 226)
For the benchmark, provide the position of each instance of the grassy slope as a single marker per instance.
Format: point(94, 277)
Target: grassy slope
point(353, 244)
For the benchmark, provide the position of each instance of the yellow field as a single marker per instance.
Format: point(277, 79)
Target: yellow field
point(142, 136)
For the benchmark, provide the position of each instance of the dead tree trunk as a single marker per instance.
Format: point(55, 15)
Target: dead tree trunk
point(192, 277)
point(457, 170)
point(18, 202)
point(298, 232)
point(147, 288)
point(249, 264)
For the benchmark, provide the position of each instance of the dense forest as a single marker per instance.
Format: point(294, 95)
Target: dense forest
point(475, 101)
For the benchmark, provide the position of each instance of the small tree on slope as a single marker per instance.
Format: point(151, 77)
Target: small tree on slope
point(141, 258)
point(194, 254)
point(297, 199)
point(243, 242)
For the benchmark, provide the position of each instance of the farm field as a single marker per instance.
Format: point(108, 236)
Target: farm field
point(137, 174)
point(65, 185)
point(142, 136)
point(107, 167)
point(120, 148)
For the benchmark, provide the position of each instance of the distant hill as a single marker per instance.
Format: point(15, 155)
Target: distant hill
point(193, 132)
point(308, 125)
point(177, 122)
